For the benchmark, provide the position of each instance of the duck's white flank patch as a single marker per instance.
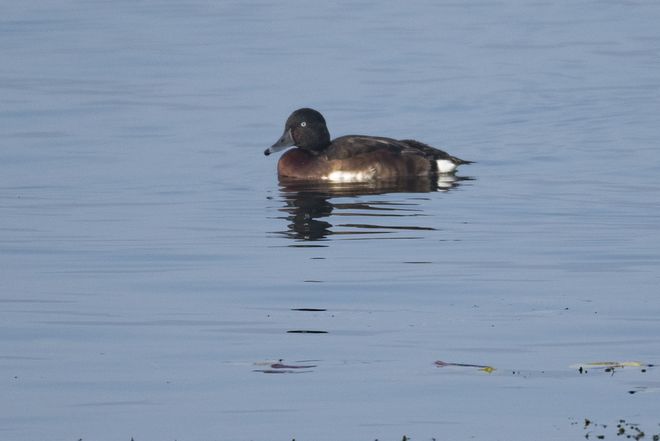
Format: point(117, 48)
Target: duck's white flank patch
point(445, 166)
point(345, 176)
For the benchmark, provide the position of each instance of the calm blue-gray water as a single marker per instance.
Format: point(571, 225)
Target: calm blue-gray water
point(158, 282)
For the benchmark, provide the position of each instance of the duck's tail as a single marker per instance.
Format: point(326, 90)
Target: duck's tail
point(445, 162)
point(459, 161)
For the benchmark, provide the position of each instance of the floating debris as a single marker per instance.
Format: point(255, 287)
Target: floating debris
point(484, 368)
point(622, 429)
point(609, 366)
point(292, 366)
point(279, 367)
point(644, 389)
point(305, 331)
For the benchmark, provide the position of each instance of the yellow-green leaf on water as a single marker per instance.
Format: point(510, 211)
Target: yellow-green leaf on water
point(607, 364)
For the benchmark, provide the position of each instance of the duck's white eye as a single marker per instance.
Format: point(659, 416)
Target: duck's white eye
point(303, 124)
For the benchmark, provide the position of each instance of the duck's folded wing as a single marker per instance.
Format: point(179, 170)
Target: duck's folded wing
point(346, 147)
point(351, 146)
point(416, 148)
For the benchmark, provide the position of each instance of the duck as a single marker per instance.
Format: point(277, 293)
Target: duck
point(353, 158)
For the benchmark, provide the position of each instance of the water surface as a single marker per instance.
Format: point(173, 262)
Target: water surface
point(157, 281)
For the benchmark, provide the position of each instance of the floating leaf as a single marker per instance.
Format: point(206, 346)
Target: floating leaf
point(608, 366)
point(487, 369)
point(605, 364)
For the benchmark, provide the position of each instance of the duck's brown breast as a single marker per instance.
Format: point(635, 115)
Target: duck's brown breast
point(301, 164)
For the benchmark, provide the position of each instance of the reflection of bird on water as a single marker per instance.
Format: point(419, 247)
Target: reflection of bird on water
point(305, 209)
point(309, 205)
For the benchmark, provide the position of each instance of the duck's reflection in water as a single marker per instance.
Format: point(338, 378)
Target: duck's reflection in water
point(310, 207)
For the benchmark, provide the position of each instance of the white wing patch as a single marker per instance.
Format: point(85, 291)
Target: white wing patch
point(445, 166)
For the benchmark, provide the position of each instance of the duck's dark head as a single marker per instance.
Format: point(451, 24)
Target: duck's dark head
point(305, 128)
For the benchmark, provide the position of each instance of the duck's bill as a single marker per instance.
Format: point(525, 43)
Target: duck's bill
point(285, 141)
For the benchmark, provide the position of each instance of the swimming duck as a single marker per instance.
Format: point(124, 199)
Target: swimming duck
point(353, 158)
